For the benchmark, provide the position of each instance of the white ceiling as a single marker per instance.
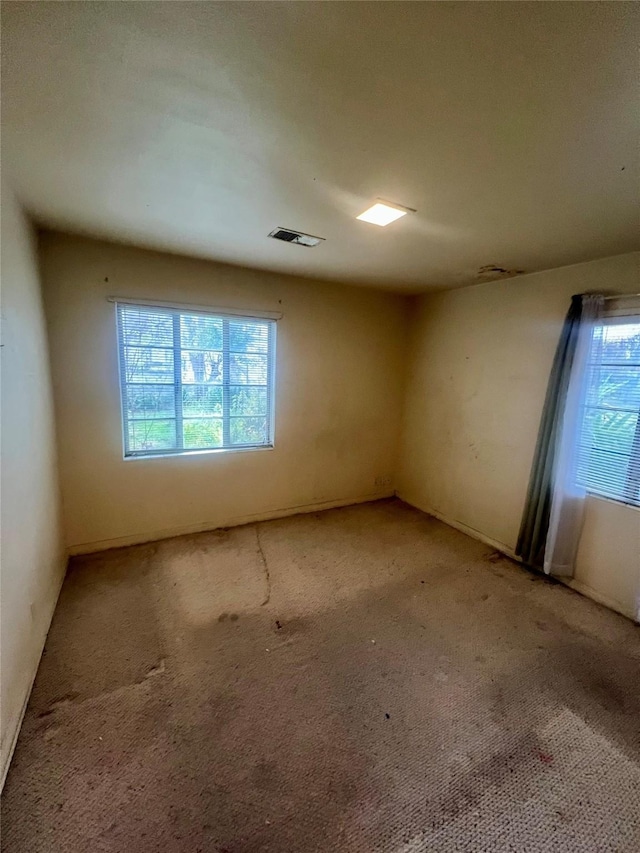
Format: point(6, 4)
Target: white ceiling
point(512, 129)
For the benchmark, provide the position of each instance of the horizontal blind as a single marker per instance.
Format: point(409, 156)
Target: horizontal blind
point(608, 455)
point(194, 381)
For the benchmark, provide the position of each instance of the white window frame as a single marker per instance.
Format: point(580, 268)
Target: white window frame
point(616, 315)
point(226, 315)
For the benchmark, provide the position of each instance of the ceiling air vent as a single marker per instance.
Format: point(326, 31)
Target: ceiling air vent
point(296, 237)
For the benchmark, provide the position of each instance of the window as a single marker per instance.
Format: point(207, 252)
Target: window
point(194, 381)
point(609, 449)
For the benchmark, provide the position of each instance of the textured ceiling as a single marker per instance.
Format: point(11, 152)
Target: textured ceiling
point(511, 128)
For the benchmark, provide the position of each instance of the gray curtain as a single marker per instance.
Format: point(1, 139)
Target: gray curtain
point(537, 509)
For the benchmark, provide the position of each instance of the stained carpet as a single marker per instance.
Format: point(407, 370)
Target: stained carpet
point(359, 680)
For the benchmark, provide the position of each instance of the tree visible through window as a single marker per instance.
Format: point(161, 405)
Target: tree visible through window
point(609, 450)
point(194, 381)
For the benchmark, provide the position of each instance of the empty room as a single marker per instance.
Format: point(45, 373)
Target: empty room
point(320, 522)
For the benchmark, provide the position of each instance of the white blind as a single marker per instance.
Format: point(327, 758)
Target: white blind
point(609, 440)
point(194, 381)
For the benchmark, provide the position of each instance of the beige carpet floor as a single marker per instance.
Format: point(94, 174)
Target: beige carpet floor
point(363, 679)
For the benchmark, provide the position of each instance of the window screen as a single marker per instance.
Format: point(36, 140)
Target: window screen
point(609, 451)
point(194, 381)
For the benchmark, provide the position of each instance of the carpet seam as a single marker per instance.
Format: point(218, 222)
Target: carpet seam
point(265, 566)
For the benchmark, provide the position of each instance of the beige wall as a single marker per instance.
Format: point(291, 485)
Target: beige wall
point(32, 556)
point(478, 368)
point(339, 382)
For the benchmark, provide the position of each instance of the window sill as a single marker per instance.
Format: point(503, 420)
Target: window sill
point(189, 453)
point(594, 497)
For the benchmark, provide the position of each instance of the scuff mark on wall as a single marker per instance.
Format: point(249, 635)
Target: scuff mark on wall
point(491, 272)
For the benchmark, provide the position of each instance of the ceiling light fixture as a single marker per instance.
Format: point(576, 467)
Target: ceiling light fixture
point(383, 212)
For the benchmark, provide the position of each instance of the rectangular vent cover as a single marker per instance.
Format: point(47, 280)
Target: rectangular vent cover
point(296, 237)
